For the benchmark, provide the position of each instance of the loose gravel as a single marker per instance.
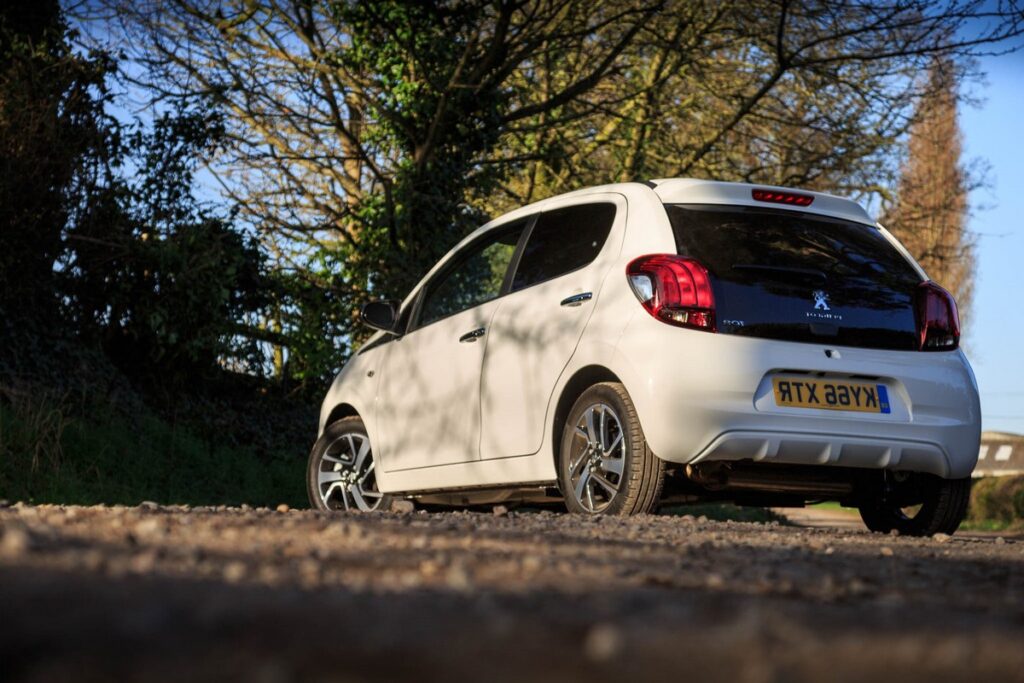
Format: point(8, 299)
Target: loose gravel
point(177, 593)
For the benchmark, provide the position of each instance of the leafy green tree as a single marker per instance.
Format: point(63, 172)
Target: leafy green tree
point(54, 142)
point(101, 236)
point(930, 213)
point(123, 296)
point(162, 282)
point(810, 94)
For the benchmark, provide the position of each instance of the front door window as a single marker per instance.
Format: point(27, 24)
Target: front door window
point(474, 279)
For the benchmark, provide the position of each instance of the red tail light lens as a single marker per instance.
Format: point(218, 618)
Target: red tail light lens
point(674, 289)
point(776, 197)
point(938, 322)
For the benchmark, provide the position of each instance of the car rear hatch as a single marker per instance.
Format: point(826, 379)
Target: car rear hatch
point(800, 276)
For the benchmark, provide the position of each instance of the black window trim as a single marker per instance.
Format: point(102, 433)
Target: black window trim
point(458, 258)
point(385, 338)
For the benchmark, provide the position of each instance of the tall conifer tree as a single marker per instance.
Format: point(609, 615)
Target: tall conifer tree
point(931, 210)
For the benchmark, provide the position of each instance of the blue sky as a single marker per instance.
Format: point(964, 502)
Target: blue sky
point(994, 131)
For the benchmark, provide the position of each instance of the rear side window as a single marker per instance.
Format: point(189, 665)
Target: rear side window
point(563, 240)
point(800, 276)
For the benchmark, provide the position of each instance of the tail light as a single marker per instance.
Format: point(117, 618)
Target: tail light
point(938, 322)
point(674, 289)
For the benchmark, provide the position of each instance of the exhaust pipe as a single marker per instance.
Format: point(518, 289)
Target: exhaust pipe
point(722, 476)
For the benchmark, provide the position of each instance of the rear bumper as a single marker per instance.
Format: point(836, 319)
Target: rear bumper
point(704, 397)
point(841, 450)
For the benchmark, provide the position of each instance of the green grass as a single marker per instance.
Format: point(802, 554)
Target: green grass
point(990, 525)
point(833, 505)
point(723, 512)
point(54, 453)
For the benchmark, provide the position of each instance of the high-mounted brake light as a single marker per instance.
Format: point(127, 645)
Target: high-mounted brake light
point(792, 198)
point(674, 289)
point(938, 322)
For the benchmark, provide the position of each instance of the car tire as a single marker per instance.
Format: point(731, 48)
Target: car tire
point(942, 507)
point(340, 473)
point(604, 463)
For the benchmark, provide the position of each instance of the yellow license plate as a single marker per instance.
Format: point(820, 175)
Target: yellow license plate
point(830, 394)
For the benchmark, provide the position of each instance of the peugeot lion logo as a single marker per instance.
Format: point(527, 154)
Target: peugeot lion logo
point(821, 301)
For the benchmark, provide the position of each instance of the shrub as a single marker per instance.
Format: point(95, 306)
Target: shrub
point(102, 456)
point(997, 499)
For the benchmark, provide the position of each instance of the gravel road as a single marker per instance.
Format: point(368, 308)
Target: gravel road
point(179, 594)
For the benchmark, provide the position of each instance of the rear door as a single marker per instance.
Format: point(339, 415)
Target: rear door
point(535, 330)
point(799, 276)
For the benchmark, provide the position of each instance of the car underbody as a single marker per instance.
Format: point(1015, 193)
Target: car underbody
point(741, 482)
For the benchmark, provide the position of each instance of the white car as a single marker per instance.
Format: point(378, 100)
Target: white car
point(641, 344)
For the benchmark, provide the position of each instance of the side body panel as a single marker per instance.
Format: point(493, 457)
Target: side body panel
point(612, 308)
point(356, 386)
point(429, 393)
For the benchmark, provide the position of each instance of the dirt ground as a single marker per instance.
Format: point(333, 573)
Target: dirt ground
point(178, 594)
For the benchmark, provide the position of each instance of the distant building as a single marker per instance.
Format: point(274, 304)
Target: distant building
point(1001, 454)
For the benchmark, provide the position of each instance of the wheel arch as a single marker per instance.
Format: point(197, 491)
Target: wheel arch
point(581, 380)
point(340, 411)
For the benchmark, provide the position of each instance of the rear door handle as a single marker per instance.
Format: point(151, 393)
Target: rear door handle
point(577, 299)
point(473, 336)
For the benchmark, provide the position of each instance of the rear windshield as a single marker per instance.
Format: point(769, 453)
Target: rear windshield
point(799, 276)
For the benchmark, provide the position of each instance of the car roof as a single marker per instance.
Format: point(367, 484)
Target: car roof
point(696, 191)
point(675, 191)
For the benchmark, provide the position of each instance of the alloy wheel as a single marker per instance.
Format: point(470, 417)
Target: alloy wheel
point(346, 478)
point(597, 458)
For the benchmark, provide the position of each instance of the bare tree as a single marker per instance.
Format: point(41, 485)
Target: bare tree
point(792, 93)
point(329, 103)
point(364, 138)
